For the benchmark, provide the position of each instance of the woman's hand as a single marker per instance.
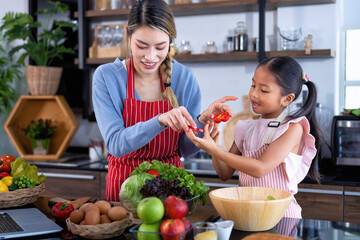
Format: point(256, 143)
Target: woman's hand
point(210, 140)
point(177, 119)
point(216, 107)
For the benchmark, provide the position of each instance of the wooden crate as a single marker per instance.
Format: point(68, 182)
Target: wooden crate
point(30, 108)
point(95, 51)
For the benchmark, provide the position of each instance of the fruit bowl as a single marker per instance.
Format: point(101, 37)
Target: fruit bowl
point(249, 208)
point(131, 206)
point(138, 235)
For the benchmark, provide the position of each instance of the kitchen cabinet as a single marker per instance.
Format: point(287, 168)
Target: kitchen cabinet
point(86, 16)
point(71, 183)
point(351, 204)
point(323, 202)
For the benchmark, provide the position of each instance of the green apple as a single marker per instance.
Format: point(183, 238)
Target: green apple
point(150, 210)
point(152, 229)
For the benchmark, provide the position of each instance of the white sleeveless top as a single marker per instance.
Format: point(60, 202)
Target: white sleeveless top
point(248, 137)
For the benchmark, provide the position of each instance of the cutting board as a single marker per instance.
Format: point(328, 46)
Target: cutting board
point(267, 236)
point(228, 131)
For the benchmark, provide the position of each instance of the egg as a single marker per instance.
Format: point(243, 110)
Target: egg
point(82, 207)
point(117, 213)
point(104, 219)
point(90, 207)
point(104, 206)
point(92, 217)
point(76, 216)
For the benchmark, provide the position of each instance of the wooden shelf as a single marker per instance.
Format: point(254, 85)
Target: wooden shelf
point(230, 57)
point(192, 9)
point(30, 108)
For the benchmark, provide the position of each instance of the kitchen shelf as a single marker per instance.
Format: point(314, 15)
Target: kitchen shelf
point(230, 56)
point(30, 108)
point(192, 9)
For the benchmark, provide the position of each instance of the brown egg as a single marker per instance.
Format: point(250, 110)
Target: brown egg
point(92, 217)
point(82, 207)
point(104, 206)
point(104, 219)
point(90, 207)
point(117, 213)
point(77, 216)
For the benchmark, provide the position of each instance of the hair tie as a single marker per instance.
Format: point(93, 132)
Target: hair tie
point(167, 85)
point(305, 78)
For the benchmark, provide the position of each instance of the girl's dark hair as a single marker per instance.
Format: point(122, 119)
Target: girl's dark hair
point(290, 77)
point(157, 15)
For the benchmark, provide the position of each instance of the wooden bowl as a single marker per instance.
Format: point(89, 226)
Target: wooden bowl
point(249, 208)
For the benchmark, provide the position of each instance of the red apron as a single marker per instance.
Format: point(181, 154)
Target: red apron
point(164, 147)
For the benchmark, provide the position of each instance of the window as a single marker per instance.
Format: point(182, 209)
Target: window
point(352, 69)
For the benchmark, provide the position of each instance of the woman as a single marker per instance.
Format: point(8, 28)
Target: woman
point(136, 101)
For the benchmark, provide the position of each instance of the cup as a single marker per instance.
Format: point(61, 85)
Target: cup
point(205, 231)
point(224, 229)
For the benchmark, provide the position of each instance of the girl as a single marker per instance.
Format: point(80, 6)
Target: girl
point(136, 101)
point(276, 150)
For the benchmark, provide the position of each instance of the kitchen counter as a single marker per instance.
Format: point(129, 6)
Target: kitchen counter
point(296, 228)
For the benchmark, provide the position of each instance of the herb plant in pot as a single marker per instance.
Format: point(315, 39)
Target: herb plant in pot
point(40, 133)
point(42, 43)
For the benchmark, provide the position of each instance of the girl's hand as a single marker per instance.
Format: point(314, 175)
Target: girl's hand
point(216, 107)
point(210, 140)
point(177, 119)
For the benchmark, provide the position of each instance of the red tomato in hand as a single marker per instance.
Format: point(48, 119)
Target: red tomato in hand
point(221, 117)
point(153, 172)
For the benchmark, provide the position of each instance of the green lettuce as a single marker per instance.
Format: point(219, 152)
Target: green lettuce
point(20, 168)
point(130, 189)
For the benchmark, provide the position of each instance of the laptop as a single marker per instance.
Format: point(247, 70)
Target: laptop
point(25, 222)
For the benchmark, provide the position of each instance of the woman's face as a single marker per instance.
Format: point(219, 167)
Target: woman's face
point(149, 49)
point(265, 94)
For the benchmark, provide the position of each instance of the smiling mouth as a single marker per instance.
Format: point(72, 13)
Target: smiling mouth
point(149, 64)
point(255, 105)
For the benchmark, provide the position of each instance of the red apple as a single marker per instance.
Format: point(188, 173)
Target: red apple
point(172, 226)
point(187, 224)
point(175, 207)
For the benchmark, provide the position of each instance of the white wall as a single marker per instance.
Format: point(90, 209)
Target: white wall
point(6, 146)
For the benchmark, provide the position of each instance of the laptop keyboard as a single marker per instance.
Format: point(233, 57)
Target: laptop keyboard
point(7, 224)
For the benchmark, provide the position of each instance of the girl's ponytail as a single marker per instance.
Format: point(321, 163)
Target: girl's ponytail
point(309, 110)
point(166, 69)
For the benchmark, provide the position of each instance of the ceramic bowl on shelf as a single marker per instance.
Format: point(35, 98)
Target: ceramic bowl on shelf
point(250, 208)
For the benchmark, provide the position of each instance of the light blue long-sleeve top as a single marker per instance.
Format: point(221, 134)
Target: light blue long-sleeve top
point(108, 96)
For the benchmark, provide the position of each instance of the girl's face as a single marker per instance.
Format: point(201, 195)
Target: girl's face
point(265, 94)
point(149, 48)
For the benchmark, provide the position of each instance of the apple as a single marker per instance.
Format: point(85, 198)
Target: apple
point(172, 226)
point(150, 210)
point(153, 230)
point(187, 225)
point(175, 207)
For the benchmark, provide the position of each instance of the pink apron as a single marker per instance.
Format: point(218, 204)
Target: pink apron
point(164, 147)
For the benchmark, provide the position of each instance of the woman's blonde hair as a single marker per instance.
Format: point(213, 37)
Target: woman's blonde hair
point(157, 15)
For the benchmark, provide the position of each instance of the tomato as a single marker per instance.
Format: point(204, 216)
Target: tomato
point(153, 172)
point(61, 211)
point(221, 117)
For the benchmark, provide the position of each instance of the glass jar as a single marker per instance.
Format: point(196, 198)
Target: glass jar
point(185, 47)
point(241, 37)
point(210, 47)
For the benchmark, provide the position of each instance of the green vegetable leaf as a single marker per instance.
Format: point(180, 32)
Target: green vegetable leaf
point(269, 197)
point(20, 168)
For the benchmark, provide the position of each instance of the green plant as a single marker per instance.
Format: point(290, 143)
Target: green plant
point(41, 43)
point(9, 71)
point(40, 130)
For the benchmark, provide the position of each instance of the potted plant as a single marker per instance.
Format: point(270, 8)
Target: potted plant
point(40, 133)
point(42, 43)
point(9, 71)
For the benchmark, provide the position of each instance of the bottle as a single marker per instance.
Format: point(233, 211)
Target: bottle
point(185, 47)
point(210, 47)
point(230, 44)
point(241, 37)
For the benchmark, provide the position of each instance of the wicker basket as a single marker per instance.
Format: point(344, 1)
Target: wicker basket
point(20, 197)
point(100, 231)
point(43, 80)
